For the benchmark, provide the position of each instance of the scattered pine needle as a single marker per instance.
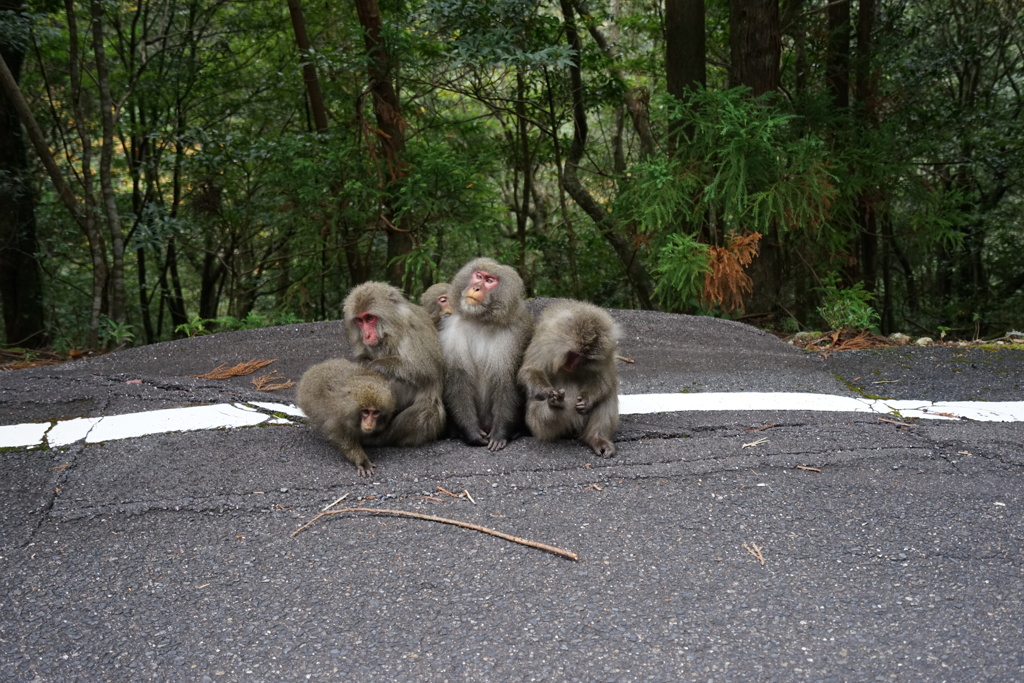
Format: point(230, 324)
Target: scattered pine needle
point(755, 550)
point(809, 469)
point(755, 443)
point(271, 382)
point(222, 371)
point(625, 360)
point(895, 422)
point(443, 520)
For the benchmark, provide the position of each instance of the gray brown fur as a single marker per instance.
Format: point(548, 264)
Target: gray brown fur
point(334, 394)
point(432, 303)
point(483, 346)
point(565, 400)
point(408, 355)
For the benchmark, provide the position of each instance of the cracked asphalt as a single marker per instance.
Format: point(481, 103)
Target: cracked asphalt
point(715, 546)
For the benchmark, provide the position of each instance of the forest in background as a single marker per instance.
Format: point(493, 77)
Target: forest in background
point(172, 167)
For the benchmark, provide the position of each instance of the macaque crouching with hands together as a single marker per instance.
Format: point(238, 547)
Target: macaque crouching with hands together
point(569, 374)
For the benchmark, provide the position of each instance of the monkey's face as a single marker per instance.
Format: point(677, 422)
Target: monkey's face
point(371, 419)
point(367, 324)
point(480, 285)
point(444, 305)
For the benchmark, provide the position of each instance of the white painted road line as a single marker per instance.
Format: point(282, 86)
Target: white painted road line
point(228, 415)
point(983, 411)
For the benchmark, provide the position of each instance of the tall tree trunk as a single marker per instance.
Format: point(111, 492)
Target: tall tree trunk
point(525, 164)
point(390, 135)
point(316, 99)
point(108, 109)
point(685, 63)
point(639, 278)
point(685, 60)
point(755, 47)
point(837, 53)
point(21, 277)
point(171, 290)
point(563, 205)
point(865, 93)
point(90, 217)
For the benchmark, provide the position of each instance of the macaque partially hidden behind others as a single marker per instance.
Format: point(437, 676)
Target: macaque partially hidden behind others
point(348, 405)
point(572, 384)
point(436, 301)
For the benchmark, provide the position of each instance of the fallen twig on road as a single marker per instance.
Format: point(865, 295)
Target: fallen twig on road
point(755, 550)
point(443, 520)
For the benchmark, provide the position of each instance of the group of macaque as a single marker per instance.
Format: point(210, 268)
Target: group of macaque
point(472, 357)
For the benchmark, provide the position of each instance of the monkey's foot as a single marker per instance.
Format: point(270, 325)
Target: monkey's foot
point(366, 469)
point(497, 444)
point(603, 448)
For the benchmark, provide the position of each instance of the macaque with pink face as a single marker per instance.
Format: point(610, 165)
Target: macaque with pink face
point(397, 339)
point(483, 343)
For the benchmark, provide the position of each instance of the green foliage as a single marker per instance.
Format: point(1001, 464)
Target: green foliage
point(228, 197)
point(115, 334)
point(744, 168)
point(748, 162)
point(197, 326)
point(847, 308)
point(497, 33)
point(681, 266)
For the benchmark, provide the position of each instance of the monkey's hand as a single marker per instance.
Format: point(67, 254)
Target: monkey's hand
point(554, 397)
point(583, 406)
point(366, 469)
point(386, 365)
point(496, 444)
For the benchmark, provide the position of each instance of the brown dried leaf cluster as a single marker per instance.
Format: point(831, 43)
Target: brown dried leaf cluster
point(843, 340)
point(222, 371)
point(272, 382)
point(727, 281)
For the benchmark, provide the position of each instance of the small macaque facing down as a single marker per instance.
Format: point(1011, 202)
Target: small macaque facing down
point(437, 302)
point(397, 339)
point(347, 404)
point(483, 342)
point(572, 384)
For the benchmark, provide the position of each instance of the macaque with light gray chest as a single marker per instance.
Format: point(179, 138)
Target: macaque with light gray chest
point(483, 342)
point(348, 405)
point(569, 373)
point(396, 338)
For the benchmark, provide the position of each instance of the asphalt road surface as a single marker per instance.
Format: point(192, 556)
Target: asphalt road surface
point(717, 545)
